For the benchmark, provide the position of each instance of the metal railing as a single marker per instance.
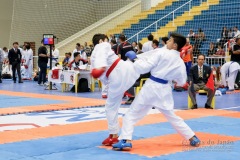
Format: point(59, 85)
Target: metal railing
point(214, 61)
point(173, 17)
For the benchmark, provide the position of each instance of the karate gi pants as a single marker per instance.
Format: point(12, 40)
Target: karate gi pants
point(150, 96)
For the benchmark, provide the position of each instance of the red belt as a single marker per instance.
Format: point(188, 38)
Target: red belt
point(112, 67)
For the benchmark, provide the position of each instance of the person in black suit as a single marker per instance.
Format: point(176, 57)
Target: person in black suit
point(199, 75)
point(15, 57)
point(42, 63)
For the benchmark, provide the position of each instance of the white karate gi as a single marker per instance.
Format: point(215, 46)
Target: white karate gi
point(122, 77)
point(167, 65)
point(55, 56)
point(229, 73)
point(23, 70)
point(147, 46)
point(27, 55)
point(83, 55)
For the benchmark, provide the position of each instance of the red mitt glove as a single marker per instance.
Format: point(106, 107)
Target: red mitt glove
point(96, 73)
point(26, 66)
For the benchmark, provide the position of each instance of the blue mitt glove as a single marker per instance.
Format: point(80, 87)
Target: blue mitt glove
point(131, 55)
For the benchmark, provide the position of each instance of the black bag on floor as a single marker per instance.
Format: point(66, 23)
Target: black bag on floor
point(82, 86)
point(6, 76)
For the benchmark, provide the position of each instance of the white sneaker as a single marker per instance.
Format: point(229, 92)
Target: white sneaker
point(40, 84)
point(46, 84)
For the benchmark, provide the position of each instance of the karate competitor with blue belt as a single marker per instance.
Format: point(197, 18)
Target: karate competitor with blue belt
point(165, 66)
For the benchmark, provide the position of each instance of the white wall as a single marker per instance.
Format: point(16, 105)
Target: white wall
point(6, 10)
point(32, 18)
point(155, 2)
point(147, 4)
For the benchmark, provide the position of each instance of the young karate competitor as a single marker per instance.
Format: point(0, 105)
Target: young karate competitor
point(165, 65)
point(229, 73)
point(119, 75)
point(28, 64)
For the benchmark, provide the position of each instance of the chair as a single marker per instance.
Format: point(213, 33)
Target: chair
point(190, 104)
point(140, 85)
point(93, 85)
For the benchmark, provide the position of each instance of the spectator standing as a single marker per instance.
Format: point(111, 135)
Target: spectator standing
point(147, 46)
point(235, 57)
point(124, 47)
point(134, 45)
point(155, 44)
point(15, 57)
point(236, 31)
point(139, 47)
point(42, 63)
point(164, 41)
point(230, 34)
point(191, 36)
point(224, 36)
point(55, 55)
point(187, 56)
point(199, 38)
point(77, 49)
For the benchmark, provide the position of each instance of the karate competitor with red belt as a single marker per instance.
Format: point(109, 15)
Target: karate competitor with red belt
point(119, 75)
point(165, 66)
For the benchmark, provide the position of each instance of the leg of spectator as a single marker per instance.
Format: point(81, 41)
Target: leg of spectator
point(44, 73)
point(192, 93)
point(14, 71)
point(188, 66)
point(210, 95)
point(19, 72)
point(40, 75)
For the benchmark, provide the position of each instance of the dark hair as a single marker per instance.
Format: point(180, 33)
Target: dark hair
point(179, 39)
point(155, 42)
point(200, 30)
point(78, 44)
point(140, 45)
point(4, 48)
point(96, 38)
point(56, 64)
point(150, 37)
point(122, 37)
point(165, 39)
point(113, 41)
point(76, 54)
point(69, 53)
point(201, 55)
point(15, 43)
point(28, 45)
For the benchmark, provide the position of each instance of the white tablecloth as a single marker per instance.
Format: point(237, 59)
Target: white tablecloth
point(69, 76)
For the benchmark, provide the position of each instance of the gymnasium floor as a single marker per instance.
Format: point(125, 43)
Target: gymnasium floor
point(38, 124)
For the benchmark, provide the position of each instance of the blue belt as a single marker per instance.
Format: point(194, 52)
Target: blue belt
point(159, 80)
